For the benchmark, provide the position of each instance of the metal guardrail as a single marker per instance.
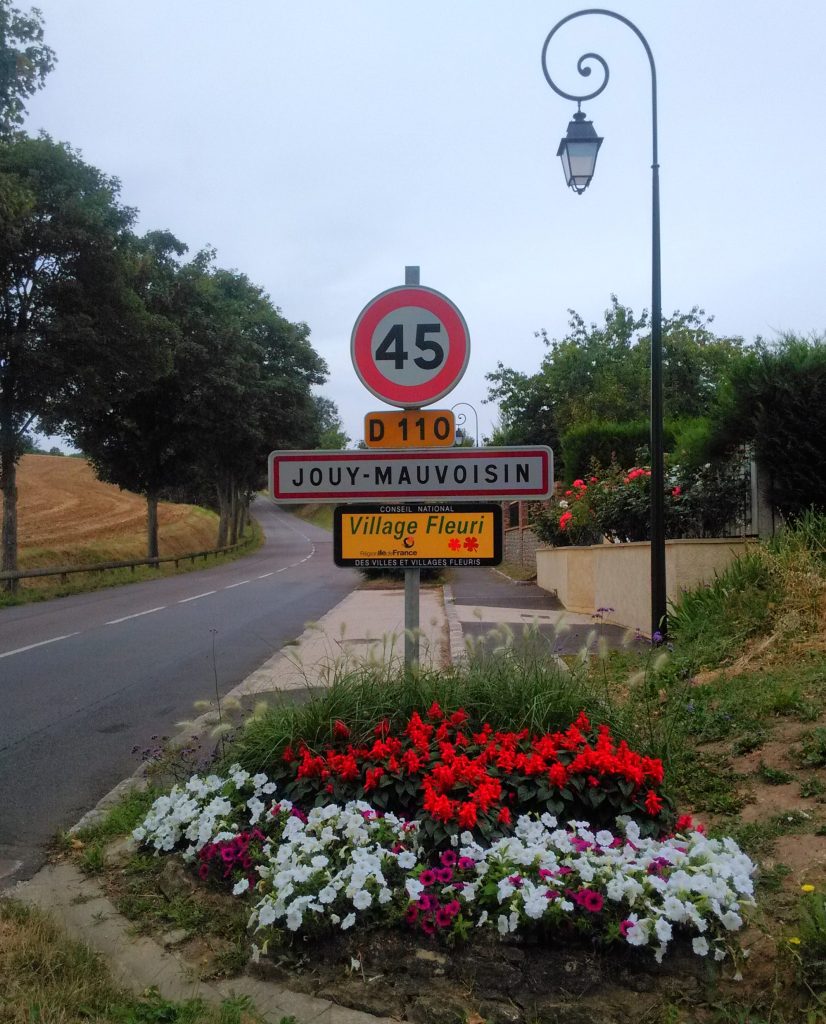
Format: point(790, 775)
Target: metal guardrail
point(64, 570)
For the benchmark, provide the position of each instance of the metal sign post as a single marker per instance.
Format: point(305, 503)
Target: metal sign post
point(412, 577)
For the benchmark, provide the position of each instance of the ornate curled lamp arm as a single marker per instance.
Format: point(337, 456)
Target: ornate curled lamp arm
point(584, 68)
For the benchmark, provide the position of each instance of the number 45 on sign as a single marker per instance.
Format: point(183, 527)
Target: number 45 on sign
point(410, 346)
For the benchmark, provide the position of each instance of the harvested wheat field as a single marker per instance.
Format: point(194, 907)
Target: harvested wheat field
point(66, 516)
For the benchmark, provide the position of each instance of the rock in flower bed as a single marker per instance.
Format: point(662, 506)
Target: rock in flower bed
point(340, 866)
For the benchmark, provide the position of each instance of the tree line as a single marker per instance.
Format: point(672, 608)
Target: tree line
point(590, 399)
point(174, 376)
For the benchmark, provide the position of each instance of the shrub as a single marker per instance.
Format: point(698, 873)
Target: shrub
point(774, 400)
point(616, 503)
point(604, 443)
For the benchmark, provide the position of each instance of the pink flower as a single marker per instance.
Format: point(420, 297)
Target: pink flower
point(466, 864)
point(427, 877)
point(592, 901)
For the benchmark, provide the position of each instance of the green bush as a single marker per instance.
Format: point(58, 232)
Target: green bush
point(774, 400)
point(604, 443)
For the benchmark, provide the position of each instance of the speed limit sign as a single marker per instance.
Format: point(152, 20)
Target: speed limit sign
point(410, 346)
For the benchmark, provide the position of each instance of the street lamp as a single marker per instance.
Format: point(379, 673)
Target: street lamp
point(578, 151)
point(461, 419)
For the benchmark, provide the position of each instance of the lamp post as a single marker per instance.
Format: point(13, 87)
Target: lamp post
point(578, 151)
point(461, 419)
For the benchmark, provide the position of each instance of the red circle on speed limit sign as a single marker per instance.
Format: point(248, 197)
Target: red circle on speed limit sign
point(410, 346)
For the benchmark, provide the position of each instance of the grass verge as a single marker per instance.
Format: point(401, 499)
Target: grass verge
point(47, 978)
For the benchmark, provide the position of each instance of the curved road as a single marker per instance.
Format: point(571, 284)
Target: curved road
point(85, 679)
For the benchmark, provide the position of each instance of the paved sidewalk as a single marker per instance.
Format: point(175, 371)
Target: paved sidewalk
point(366, 627)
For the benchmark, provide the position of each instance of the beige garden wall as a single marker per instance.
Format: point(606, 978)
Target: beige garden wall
point(617, 576)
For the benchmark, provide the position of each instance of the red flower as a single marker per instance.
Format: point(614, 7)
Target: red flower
point(340, 730)
point(371, 778)
point(676, 491)
point(504, 817)
point(471, 543)
point(435, 712)
point(467, 815)
point(653, 804)
point(454, 544)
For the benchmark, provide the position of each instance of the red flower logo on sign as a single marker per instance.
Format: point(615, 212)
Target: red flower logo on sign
point(471, 543)
point(454, 543)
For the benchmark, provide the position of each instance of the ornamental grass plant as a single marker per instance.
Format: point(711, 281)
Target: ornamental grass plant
point(516, 682)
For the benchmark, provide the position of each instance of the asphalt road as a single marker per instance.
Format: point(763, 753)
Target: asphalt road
point(84, 679)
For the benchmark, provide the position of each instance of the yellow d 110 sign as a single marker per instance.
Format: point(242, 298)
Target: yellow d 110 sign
point(417, 536)
point(413, 428)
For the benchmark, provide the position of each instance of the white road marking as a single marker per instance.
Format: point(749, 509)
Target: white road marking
point(229, 586)
point(264, 575)
point(137, 615)
point(29, 647)
point(197, 596)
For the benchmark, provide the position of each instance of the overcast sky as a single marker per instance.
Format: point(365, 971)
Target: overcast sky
point(322, 145)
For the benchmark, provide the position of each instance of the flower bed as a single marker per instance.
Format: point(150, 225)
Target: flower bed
point(332, 867)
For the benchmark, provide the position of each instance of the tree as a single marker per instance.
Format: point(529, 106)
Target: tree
point(25, 60)
point(131, 435)
point(251, 374)
point(600, 372)
point(63, 301)
point(330, 426)
point(526, 408)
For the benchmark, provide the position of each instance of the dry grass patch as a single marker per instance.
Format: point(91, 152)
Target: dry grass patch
point(68, 517)
point(48, 978)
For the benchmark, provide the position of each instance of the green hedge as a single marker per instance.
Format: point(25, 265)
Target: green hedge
point(601, 441)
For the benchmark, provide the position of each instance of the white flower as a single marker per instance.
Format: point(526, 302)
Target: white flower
point(483, 918)
point(700, 945)
point(266, 913)
point(406, 860)
point(502, 924)
point(348, 922)
point(240, 887)
point(637, 934)
point(731, 920)
point(414, 888)
point(362, 900)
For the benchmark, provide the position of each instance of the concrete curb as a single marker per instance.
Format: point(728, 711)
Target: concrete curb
point(138, 963)
point(456, 638)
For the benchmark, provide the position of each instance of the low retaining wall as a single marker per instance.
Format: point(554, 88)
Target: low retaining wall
point(618, 576)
